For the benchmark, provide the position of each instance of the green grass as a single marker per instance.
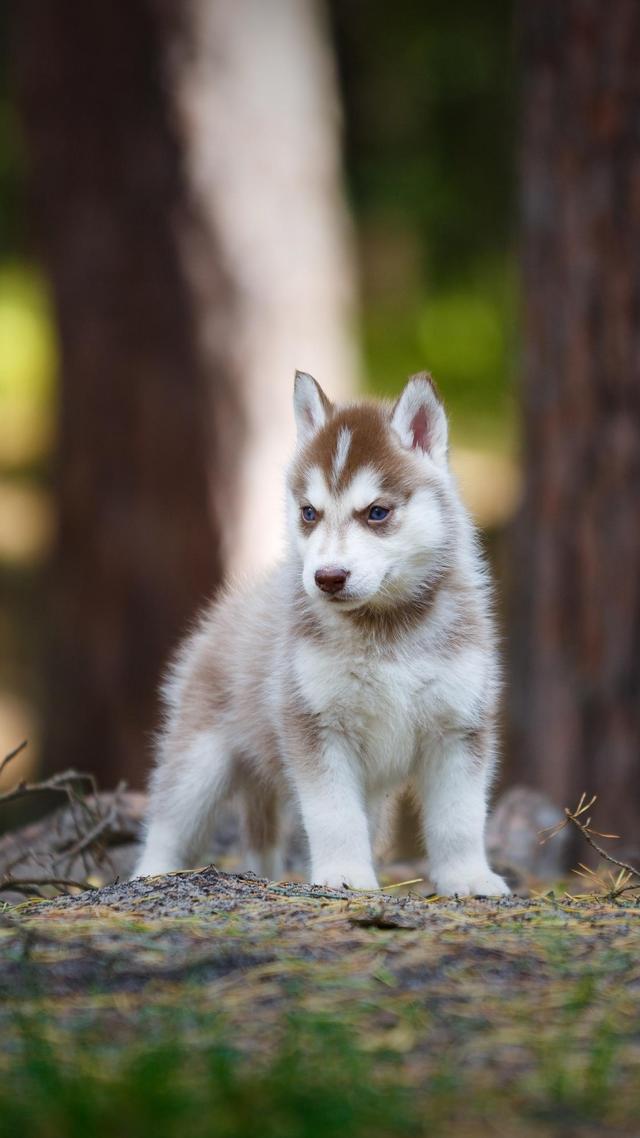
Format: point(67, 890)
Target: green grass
point(184, 1078)
point(319, 1084)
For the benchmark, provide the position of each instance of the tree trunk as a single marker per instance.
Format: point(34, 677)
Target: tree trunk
point(575, 679)
point(137, 544)
point(166, 229)
point(265, 167)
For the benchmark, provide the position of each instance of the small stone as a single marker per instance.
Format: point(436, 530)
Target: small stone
point(515, 833)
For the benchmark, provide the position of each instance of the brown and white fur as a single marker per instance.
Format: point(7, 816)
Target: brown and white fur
point(364, 662)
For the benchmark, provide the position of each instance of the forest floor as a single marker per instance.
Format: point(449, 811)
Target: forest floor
point(215, 1004)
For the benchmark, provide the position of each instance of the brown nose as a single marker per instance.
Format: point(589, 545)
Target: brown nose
point(331, 580)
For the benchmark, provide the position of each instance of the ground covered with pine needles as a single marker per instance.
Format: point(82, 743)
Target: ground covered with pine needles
point(214, 1004)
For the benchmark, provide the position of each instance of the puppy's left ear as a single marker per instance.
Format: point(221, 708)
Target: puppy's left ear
point(420, 420)
point(310, 405)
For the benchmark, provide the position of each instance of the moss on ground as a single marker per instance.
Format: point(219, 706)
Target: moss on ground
point(213, 1004)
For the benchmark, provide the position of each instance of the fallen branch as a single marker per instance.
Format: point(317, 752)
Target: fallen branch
point(90, 820)
point(28, 886)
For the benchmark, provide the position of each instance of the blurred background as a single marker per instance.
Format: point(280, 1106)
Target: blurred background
point(197, 199)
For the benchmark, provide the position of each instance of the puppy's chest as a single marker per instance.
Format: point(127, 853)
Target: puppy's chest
point(380, 702)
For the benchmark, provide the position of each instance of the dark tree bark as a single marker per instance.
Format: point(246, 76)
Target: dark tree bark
point(142, 405)
point(575, 679)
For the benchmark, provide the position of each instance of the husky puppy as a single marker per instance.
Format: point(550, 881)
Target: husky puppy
point(364, 662)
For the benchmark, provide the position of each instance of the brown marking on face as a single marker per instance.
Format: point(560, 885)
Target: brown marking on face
point(372, 443)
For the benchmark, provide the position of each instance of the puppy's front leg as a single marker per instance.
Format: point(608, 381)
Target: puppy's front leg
point(334, 816)
point(455, 786)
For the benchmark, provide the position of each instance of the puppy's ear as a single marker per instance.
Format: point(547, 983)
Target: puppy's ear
point(311, 406)
point(419, 418)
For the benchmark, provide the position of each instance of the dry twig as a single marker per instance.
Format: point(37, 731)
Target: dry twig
point(59, 783)
point(12, 755)
point(628, 877)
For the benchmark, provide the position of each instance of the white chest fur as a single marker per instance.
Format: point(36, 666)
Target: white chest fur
point(385, 705)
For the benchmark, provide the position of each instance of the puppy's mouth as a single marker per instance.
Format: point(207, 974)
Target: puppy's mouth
point(345, 600)
point(378, 599)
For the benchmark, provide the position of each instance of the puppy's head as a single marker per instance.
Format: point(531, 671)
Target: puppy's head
point(368, 495)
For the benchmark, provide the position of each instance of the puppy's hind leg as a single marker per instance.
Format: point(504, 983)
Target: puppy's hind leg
point(261, 830)
point(187, 785)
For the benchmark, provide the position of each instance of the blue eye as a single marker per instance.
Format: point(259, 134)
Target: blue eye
point(378, 513)
point(309, 514)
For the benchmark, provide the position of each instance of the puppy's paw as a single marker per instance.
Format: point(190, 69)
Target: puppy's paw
point(345, 876)
point(470, 881)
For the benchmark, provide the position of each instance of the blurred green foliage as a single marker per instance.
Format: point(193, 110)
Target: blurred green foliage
point(466, 337)
point(430, 122)
point(429, 93)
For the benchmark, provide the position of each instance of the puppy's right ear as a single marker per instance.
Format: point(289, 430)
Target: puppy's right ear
point(310, 405)
point(420, 420)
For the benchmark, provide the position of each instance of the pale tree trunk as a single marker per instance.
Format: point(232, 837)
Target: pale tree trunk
point(165, 194)
point(259, 101)
point(575, 680)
